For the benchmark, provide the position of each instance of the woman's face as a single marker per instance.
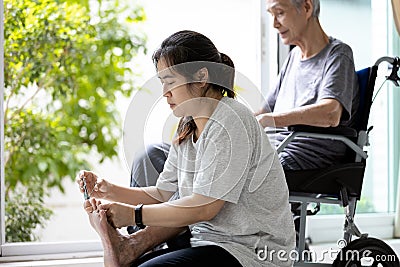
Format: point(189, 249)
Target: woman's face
point(176, 90)
point(289, 22)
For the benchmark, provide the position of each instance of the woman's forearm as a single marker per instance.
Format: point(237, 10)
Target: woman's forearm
point(136, 195)
point(181, 212)
point(325, 113)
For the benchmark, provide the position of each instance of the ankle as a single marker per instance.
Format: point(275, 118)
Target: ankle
point(144, 239)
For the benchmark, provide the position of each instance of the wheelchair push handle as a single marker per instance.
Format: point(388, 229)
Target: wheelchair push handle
point(395, 62)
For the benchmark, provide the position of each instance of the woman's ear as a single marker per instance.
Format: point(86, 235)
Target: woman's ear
point(202, 76)
point(308, 7)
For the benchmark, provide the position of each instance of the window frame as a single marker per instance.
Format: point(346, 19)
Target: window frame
point(31, 250)
point(2, 197)
point(394, 125)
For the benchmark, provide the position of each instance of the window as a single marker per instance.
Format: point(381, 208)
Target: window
point(235, 29)
point(380, 181)
point(368, 46)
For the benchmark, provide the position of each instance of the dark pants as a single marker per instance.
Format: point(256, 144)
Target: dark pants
point(148, 165)
point(209, 256)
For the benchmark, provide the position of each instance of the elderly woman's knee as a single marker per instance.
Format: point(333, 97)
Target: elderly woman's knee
point(149, 164)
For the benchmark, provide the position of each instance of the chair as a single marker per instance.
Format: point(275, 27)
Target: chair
point(340, 184)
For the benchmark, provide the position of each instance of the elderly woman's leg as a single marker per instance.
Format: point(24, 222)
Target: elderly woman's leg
point(148, 165)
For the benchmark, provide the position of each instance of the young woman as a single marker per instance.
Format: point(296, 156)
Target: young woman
point(232, 190)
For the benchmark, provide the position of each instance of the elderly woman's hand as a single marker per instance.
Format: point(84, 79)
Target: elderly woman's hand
point(266, 120)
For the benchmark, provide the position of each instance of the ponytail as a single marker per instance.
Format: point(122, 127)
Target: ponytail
point(229, 73)
point(186, 128)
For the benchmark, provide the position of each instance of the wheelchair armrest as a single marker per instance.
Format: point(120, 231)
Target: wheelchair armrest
point(339, 130)
point(344, 134)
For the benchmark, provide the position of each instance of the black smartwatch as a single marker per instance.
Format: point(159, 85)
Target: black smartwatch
point(138, 216)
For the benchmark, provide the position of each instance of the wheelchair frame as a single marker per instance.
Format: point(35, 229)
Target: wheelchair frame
point(345, 197)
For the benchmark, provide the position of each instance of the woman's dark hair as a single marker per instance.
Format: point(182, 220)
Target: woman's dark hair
point(189, 46)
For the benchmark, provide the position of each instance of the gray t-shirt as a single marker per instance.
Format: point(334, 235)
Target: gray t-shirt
point(233, 160)
point(329, 74)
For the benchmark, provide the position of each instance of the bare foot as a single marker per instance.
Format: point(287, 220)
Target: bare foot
point(119, 250)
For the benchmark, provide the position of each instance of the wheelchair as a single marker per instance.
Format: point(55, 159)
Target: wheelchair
point(341, 184)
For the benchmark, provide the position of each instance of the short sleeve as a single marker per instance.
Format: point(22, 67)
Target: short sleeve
point(340, 80)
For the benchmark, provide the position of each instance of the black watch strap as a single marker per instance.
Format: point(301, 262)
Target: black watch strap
point(138, 216)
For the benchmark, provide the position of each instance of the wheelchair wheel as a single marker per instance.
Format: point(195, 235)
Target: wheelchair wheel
point(366, 251)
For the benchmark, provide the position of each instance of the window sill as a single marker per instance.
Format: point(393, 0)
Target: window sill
point(19, 261)
point(87, 259)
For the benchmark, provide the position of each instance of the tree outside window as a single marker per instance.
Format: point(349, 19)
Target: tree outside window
point(66, 63)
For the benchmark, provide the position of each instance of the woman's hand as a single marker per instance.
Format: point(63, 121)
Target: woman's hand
point(96, 187)
point(119, 214)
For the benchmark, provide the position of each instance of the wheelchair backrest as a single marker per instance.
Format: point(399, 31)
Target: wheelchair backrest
point(366, 83)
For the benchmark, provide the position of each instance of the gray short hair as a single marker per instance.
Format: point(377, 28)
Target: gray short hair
point(316, 6)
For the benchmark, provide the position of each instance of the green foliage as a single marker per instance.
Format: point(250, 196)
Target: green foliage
point(65, 65)
point(24, 212)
